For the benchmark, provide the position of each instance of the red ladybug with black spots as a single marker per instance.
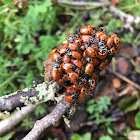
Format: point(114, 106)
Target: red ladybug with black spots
point(56, 72)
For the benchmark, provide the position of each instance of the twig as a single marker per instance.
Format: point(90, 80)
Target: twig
point(47, 121)
point(134, 64)
point(128, 19)
point(125, 79)
point(8, 124)
point(41, 93)
point(125, 91)
point(82, 5)
point(91, 123)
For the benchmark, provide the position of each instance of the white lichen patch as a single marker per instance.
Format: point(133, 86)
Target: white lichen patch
point(50, 94)
point(67, 121)
point(72, 110)
point(33, 99)
point(25, 100)
point(25, 90)
point(5, 112)
point(18, 108)
point(59, 98)
point(42, 90)
point(43, 96)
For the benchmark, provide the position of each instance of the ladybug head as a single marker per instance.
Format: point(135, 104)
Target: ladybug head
point(102, 29)
point(56, 65)
point(59, 59)
point(81, 81)
point(88, 59)
point(101, 43)
point(92, 40)
point(74, 96)
point(69, 52)
point(73, 68)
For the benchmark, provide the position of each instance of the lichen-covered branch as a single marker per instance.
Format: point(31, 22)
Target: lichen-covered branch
point(11, 122)
point(128, 19)
point(47, 121)
point(83, 5)
point(41, 93)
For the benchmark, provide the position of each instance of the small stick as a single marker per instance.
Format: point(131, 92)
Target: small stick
point(91, 123)
point(11, 122)
point(47, 121)
point(83, 3)
point(125, 91)
point(125, 79)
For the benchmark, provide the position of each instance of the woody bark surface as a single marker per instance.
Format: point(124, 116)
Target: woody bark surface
point(9, 103)
point(8, 124)
point(47, 121)
point(28, 96)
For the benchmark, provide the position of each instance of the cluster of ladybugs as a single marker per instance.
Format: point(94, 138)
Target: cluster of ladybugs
point(79, 61)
